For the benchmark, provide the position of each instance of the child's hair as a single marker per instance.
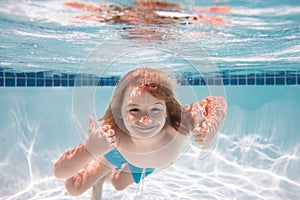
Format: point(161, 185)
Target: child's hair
point(159, 85)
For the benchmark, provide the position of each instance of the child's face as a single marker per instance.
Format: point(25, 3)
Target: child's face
point(143, 114)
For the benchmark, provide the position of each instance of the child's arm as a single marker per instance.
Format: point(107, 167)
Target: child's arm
point(213, 109)
point(99, 142)
point(86, 177)
point(72, 161)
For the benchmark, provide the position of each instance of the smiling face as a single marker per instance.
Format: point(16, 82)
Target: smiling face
point(143, 115)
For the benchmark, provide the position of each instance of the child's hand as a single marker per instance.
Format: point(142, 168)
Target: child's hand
point(203, 134)
point(100, 140)
point(214, 110)
point(197, 114)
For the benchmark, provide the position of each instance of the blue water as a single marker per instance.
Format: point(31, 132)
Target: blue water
point(257, 153)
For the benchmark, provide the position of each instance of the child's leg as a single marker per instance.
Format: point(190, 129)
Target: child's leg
point(122, 178)
point(97, 189)
point(86, 177)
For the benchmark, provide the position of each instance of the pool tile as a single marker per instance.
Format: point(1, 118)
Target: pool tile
point(21, 79)
point(91, 80)
point(31, 75)
point(114, 80)
point(9, 75)
point(218, 80)
point(225, 78)
point(251, 79)
point(280, 78)
point(31, 79)
point(280, 81)
point(72, 78)
point(242, 79)
point(270, 78)
point(291, 78)
point(100, 82)
point(9, 79)
point(84, 80)
point(202, 81)
point(64, 80)
point(226, 81)
point(78, 80)
point(9, 82)
point(21, 82)
point(31, 82)
point(56, 80)
point(40, 75)
point(104, 81)
point(197, 81)
point(210, 81)
point(260, 79)
point(40, 81)
point(48, 81)
point(188, 81)
point(1, 77)
point(233, 80)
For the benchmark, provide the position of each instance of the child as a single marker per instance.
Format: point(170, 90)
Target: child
point(143, 129)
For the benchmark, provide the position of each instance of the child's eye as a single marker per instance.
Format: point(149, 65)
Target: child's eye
point(134, 110)
point(155, 110)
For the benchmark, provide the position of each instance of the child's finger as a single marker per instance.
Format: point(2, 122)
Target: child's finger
point(112, 140)
point(200, 140)
point(92, 123)
point(110, 133)
point(105, 128)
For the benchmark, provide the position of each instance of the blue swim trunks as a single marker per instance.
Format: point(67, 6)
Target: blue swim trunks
point(115, 158)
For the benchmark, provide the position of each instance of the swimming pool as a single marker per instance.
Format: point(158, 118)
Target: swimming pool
point(46, 59)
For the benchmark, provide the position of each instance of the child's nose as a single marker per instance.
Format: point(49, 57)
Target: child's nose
point(145, 119)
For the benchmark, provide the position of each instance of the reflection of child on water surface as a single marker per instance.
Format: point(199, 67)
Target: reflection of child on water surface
point(143, 129)
point(147, 12)
point(143, 14)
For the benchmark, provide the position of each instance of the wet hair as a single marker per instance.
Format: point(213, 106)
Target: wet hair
point(159, 85)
